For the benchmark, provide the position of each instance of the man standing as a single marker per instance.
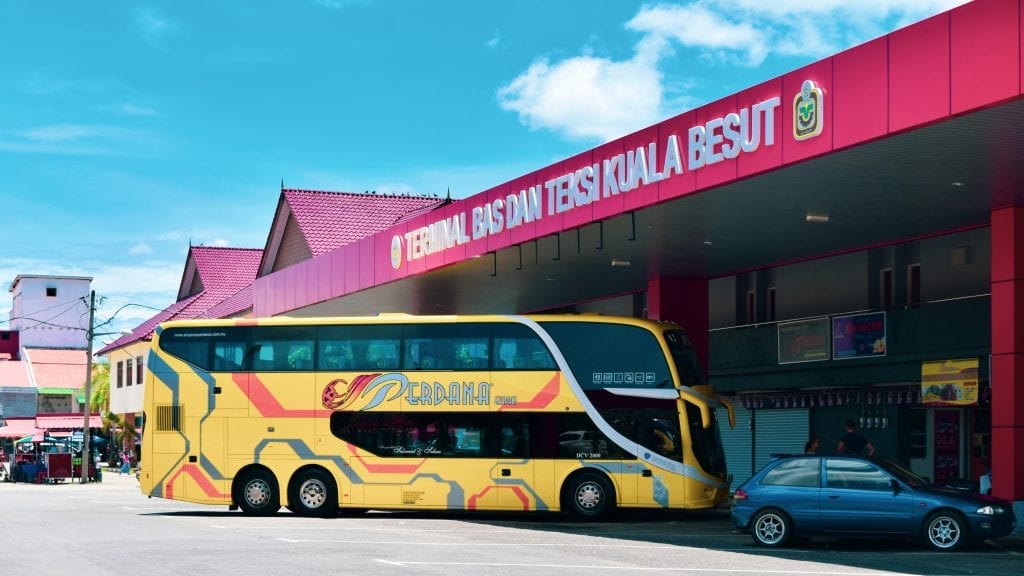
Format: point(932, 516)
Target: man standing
point(854, 443)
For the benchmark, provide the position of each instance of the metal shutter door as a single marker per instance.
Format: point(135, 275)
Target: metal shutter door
point(779, 431)
point(737, 444)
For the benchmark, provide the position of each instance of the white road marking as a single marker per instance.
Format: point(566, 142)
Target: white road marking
point(817, 571)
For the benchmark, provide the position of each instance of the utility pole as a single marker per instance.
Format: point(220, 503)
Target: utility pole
point(86, 433)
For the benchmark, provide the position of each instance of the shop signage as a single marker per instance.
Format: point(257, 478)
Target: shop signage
point(858, 336)
point(949, 382)
point(804, 341)
point(716, 140)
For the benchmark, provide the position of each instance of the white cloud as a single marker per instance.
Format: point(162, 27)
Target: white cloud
point(154, 28)
point(494, 40)
point(81, 139)
point(140, 248)
point(590, 98)
point(151, 284)
point(129, 109)
point(586, 97)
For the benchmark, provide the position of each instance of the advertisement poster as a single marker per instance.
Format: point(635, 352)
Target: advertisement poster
point(949, 382)
point(947, 445)
point(858, 336)
point(804, 341)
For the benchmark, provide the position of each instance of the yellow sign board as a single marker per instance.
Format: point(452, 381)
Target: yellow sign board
point(949, 382)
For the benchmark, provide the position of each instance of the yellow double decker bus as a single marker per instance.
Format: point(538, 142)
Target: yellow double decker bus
point(573, 413)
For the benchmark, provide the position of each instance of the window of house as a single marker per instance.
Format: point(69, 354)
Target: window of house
point(771, 304)
point(885, 289)
point(914, 285)
point(138, 370)
point(120, 375)
point(128, 373)
point(51, 291)
point(751, 307)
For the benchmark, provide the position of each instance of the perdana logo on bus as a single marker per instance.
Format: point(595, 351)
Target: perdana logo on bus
point(374, 389)
point(716, 140)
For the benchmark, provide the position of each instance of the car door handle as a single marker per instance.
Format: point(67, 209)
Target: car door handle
point(833, 496)
point(506, 472)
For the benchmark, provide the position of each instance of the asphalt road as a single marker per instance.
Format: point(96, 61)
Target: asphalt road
point(110, 528)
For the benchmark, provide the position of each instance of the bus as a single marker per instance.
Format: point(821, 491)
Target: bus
point(582, 414)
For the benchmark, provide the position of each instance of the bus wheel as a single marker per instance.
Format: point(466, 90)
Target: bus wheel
point(313, 493)
point(256, 493)
point(589, 496)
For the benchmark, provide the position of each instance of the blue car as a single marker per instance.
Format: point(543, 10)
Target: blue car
point(799, 497)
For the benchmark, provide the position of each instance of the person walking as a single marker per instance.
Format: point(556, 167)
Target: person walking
point(812, 445)
point(855, 443)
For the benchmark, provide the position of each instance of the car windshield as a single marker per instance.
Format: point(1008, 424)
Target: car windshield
point(901, 472)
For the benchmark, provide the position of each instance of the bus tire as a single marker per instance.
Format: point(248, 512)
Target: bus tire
point(256, 493)
point(312, 492)
point(589, 496)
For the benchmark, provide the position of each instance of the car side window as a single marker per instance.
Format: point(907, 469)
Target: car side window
point(804, 472)
point(855, 475)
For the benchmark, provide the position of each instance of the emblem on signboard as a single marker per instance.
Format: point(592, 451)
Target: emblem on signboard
point(396, 252)
point(808, 111)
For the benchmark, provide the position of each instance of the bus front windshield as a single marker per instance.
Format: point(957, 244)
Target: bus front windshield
point(685, 358)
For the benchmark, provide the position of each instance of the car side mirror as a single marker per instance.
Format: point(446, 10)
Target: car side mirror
point(895, 485)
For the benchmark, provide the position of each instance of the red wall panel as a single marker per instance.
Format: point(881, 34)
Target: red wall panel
point(291, 286)
point(583, 214)
point(312, 282)
point(765, 157)
point(338, 271)
point(526, 230)
point(685, 183)
point(984, 53)
point(860, 103)
point(919, 73)
point(549, 223)
point(794, 150)
point(384, 249)
point(456, 253)
point(366, 262)
point(501, 239)
point(324, 267)
point(719, 172)
point(351, 268)
point(644, 194)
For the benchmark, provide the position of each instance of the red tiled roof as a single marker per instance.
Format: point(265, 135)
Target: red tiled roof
point(332, 219)
point(240, 301)
point(14, 374)
point(224, 273)
point(57, 368)
point(66, 421)
point(18, 428)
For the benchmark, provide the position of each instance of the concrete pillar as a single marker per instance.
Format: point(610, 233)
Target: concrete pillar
point(685, 302)
point(1008, 353)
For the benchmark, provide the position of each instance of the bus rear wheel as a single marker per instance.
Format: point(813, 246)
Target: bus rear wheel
point(589, 496)
point(256, 493)
point(313, 493)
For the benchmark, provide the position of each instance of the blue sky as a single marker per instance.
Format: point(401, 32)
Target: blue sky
point(129, 129)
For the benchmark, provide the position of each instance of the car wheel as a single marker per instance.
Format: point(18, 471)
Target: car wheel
point(313, 493)
point(945, 531)
point(589, 496)
point(771, 528)
point(256, 493)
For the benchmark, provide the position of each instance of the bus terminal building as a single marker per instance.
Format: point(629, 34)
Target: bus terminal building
point(845, 241)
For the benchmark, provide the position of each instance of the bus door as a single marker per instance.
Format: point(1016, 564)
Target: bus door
point(514, 471)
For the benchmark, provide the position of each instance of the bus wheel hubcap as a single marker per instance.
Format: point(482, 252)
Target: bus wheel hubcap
point(588, 496)
point(257, 492)
point(313, 494)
